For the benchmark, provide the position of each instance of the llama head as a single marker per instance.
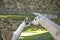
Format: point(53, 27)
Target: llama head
point(27, 22)
point(36, 19)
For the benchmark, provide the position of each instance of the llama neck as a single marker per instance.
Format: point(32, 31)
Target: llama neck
point(20, 29)
point(50, 26)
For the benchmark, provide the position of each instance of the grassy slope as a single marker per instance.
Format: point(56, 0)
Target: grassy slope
point(33, 33)
point(17, 17)
point(40, 36)
point(34, 37)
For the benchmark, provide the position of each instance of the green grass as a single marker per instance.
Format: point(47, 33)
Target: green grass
point(17, 17)
point(36, 36)
point(32, 33)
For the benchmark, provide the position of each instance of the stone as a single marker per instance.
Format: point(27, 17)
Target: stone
point(29, 6)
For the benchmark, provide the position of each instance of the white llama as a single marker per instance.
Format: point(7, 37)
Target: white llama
point(18, 32)
point(51, 27)
point(6, 35)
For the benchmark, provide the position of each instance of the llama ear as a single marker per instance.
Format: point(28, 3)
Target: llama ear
point(36, 14)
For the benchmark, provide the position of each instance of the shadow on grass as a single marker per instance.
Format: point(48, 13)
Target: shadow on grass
point(44, 36)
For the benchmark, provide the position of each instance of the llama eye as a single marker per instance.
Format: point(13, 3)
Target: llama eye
point(27, 20)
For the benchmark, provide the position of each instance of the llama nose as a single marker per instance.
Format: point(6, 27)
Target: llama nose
point(27, 23)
